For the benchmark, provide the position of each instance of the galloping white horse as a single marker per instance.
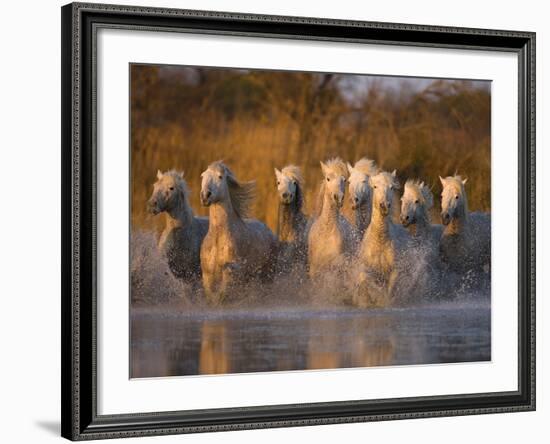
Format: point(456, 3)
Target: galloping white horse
point(183, 234)
point(383, 244)
point(416, 203)
point(466, 239)
point(235, 249)
point(331, 238)
point(422, 272)
point(293, 223)
point(360, 193)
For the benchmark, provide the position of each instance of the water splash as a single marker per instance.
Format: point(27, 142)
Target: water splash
point(420, 281)
point(152, 282)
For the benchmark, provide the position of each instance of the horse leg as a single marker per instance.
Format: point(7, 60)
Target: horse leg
point(209, 285)
point(312, 271)
point(230, 275)
point(392, 287)
point(360, 293)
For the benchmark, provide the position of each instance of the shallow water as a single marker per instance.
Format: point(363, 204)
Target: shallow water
point(175, 342)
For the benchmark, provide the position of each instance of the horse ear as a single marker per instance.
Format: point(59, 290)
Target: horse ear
point(159, 174)
point(182, 175)
point(442, 180)
point(394, 173)
point(464, 181)
point(323, 167)
point(277, 173)
point(350, 168)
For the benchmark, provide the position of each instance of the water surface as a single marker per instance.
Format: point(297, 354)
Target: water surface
point(171, 342)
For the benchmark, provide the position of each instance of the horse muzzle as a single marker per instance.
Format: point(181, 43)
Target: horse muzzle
point(445, 218)
point(385, 209)
point(339, 200)
point(406, 220)
point(152, 207)
point(205, 198)
point(286, 198)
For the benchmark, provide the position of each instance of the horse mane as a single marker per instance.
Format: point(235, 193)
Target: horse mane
point(366, 166)
point(295, 174)
point(394, 180)
point(241, 194)
point(423, 189)
point(338, 166)
point(179, 177)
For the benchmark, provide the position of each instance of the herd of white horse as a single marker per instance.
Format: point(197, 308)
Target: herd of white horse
point(229, 248)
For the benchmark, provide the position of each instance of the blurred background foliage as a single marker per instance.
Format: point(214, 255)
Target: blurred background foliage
point(187, 117)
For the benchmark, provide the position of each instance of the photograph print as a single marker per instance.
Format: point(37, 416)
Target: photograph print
point(285, 221)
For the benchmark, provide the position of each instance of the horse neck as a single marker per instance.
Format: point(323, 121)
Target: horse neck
point(222, 216)
point(459, 224)
point(291, 219)
point(181, 215)
point(362, 217)
point(422, 226)
point(330, 212)
point(379, 226)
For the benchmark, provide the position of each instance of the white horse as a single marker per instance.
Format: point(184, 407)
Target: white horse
point(416, 203)
point(181, 240)
point(235, 249)
point(466, 238)
point(292, 226)
point(422, 266)
point(360, 193)
point(331, 238)
point(382, 247)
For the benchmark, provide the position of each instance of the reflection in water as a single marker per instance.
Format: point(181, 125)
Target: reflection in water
point(169, 343)
point(215, 351)
point(358, 346)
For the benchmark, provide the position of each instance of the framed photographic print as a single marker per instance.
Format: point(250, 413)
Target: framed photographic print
point(281, 221)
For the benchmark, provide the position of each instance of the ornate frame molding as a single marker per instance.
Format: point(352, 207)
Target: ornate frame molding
point(79, 396)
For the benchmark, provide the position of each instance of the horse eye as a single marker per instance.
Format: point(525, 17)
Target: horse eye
point(456, 197)
point(171, 188)
point(328, 179)
point(278, 182)
point(416, 201)
point(375, 186)
point(220, 177)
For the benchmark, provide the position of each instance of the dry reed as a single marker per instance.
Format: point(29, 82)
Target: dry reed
point(185, 118)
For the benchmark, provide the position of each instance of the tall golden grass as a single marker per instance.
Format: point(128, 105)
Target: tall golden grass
point(185, 118)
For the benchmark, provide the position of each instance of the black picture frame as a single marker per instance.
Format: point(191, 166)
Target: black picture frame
point(79, 172)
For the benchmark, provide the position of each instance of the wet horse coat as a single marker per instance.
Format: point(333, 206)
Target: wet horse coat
point(466, 238)
point(332, 239)
point(293, 226)
point(235, 249)
point(181, 239)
